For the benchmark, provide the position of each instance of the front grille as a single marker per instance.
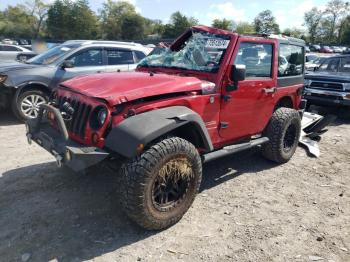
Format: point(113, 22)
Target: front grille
point(327, 85)
point(80, 116)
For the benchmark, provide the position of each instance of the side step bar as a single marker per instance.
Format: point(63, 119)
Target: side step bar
point(228, 150)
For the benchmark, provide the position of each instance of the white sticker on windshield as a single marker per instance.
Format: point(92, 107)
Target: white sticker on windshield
point(65, 49)
point(217, 43)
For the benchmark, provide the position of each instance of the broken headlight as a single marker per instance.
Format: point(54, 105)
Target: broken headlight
point(98, 117)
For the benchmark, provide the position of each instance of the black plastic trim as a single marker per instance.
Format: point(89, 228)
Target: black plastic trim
point(146, 127)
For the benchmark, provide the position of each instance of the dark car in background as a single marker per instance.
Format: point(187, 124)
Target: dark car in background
point(315, 48)
point(330, 83)
point(26, 86)
point(24, 56)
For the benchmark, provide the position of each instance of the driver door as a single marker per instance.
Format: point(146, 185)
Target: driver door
point(246, 110)
point(87, 61)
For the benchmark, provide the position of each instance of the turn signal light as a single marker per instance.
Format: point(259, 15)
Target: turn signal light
point(140, 147)
point(95, 138)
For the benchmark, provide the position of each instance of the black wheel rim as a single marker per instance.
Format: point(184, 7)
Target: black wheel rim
point(289, 138)
point(171, 184)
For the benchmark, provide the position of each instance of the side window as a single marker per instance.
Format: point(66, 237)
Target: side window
point(91, 57)
point(9, 48)
point(290, 60)
point(345, 65)
point(139, 56)
point(256, 57)
point(330, 65)
point(120, 57)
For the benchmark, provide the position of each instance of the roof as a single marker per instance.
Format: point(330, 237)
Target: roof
point(118, 44)
point(97, 42)
point(280, 37)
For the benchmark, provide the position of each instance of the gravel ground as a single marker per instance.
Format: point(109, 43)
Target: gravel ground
point(248, 209)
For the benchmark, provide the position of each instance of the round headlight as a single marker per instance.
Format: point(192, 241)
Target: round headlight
point(102, 116)
point(98, 117)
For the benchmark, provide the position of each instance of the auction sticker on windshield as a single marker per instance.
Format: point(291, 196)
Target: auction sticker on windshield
point(217, 43)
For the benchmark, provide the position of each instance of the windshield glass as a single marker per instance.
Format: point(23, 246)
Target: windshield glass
point(52, 55)
point(202, 51)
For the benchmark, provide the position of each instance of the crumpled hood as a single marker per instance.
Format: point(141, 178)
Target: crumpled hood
point(117, 88)
point(11, 66)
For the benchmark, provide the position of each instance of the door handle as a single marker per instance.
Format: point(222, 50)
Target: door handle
point(271, 90)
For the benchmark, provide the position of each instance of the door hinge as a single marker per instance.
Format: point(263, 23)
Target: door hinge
point(223, 125)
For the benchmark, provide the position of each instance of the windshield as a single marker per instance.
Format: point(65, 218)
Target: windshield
point(202, 51)
point(52, 55)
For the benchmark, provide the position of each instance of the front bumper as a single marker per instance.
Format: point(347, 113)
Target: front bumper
point(327, 97)
point(6, 94)
point(65, 151)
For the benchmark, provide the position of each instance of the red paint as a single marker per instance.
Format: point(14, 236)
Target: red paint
point(247, 112)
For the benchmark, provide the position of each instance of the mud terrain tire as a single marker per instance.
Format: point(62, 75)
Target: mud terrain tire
point(160, 185)
point(283, 131)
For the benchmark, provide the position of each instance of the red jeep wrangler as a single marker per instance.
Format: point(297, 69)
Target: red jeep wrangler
point(212, 93)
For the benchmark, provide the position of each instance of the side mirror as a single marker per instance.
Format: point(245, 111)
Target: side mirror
point(67, 64)
point(237, 74)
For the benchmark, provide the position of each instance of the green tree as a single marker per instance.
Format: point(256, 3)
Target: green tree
point(245, 28)
point(153, 28)
point(132, 27)
point(336, 9)
point(72, 20)
point(312, 21)
point(178, 24)
point(345, 35)
point(112, 16)
point(38, 10)
point(16, 22)
point(293, 32)
point(265, 23)
point(222, 24)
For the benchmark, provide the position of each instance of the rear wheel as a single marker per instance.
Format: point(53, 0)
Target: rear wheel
point(283, 131)
point(27, 105)
point(160, 185)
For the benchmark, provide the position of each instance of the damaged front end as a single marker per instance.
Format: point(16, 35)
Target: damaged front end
point(56, 141)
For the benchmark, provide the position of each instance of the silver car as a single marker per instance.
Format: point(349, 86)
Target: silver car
point(25, 86)
point(10, 52)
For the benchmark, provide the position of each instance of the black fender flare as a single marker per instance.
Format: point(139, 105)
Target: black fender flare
point(144, 128)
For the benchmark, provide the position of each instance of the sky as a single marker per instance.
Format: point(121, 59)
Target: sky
point(288, 13)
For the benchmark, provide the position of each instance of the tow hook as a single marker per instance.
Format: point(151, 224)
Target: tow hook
point(58, 158)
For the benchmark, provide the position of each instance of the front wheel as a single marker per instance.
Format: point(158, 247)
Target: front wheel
point(283, 131)
point(27, 105)
point(160, 185)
